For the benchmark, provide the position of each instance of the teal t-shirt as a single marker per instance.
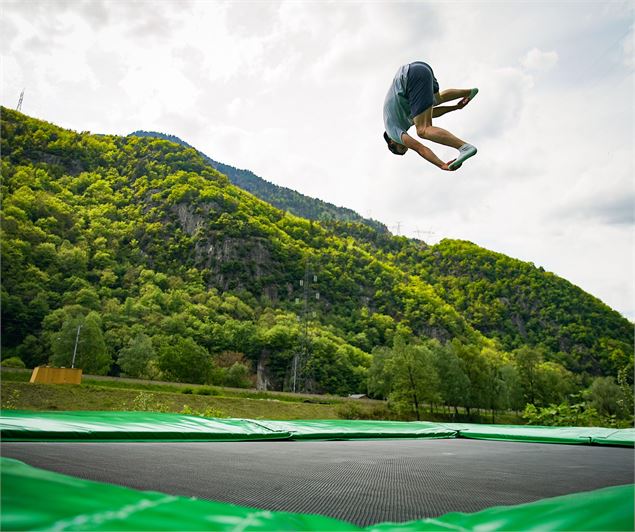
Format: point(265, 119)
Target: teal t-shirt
point(396, 107)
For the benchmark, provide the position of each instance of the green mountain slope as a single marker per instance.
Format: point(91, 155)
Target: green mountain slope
point(280, 197)
point(124, 225)
point(175, 273)
point(520, 304)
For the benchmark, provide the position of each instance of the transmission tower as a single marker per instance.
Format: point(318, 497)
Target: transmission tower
point(19, 107)
point(302, 356)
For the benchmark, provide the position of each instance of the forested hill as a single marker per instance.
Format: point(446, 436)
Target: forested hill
point(281, 197)
point(520, 304)
point(175, 273)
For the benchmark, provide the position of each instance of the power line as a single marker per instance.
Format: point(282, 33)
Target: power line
point(418, 232)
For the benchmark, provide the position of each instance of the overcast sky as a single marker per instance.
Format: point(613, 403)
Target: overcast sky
point(294, 91)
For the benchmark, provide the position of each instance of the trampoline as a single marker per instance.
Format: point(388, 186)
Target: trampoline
point(362, 482)
point(362, 474)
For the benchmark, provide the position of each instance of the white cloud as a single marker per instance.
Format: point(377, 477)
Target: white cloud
point(538, 60)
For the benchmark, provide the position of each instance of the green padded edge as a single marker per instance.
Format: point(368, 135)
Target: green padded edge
point(538, 434)
point(625, 437)
point(336, 429)
point(606, 509)
point(16, 425)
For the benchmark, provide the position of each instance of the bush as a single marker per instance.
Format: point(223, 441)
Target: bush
point(350, 410)
point(565, 415)
point(208, 412)
point(206, 390)
point(148, 402)
point(13, 362)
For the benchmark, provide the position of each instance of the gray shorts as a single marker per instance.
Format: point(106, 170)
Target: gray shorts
point(421, 86)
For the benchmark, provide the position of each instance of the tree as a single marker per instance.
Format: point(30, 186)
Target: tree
point(603, 395)
point(501, 381)
point(554, 383)
point(332, 366)
point(527, 360)
point(475, 367)
point(408, 372)
point(238, 376)
point(454, 385)
point(231, 369)
point(183, 360)
point(91, 356)
point(33, 351)
point(627, 398)
point(138, 358)
point(379, 378)
point(513, 387)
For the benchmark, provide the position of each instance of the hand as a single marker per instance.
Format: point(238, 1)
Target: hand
point(463, 103)
point(446, 166)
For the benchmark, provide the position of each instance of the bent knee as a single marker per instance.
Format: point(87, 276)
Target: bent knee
point(422, 131)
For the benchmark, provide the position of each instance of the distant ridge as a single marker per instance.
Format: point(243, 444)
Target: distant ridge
point(283, 198)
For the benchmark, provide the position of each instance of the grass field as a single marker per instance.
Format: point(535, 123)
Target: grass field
point(108, 393)
point(111, 393)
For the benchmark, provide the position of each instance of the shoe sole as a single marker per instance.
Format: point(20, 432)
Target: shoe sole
point(456, 164)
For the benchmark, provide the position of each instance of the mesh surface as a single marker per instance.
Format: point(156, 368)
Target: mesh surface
point(364, 482)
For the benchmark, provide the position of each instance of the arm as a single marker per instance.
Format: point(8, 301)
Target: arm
point(426, 153)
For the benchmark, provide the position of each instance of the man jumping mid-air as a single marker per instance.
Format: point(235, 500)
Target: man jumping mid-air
point(412, 100)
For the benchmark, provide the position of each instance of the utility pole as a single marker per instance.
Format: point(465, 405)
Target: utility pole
point(79, 327)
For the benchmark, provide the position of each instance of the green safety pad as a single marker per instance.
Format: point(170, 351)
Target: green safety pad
point(30, 426)
point(16, 425)
point(537, 434)
point(624, 437)
point(77, 504)
point(605, 509)
point(35, 499)
point(337, 429)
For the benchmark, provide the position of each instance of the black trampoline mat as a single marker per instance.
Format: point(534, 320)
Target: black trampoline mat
point(364, 482)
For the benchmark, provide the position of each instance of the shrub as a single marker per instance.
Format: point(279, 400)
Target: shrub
point(208, 412)
point(147, 402)
point(350, 410)
point(206, 390)
point(565, 415)
point(13, 362)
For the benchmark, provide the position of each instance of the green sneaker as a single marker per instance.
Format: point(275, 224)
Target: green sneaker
point(467, 99)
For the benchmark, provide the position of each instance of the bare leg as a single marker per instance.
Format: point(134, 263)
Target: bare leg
point(425, 129)
point(452, 94)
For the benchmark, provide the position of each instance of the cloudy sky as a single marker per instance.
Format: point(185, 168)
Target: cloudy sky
point(293, 90)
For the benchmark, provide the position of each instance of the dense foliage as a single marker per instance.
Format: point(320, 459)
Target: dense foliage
point(281, 197)
point(174, 273)
point(519, 304)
